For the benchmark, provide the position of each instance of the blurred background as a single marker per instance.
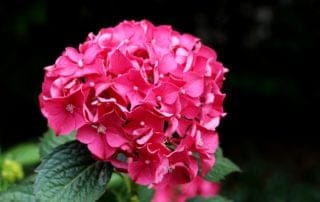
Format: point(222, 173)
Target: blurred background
point(271, 48)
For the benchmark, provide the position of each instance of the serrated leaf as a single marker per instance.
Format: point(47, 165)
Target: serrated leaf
point(213, 199)
point(222, 167)
point(144, 193)
point(23, 192)
point(49, 141)
point(69, 174)
point(26, 154)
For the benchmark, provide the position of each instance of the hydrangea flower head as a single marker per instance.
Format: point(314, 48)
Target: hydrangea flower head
point(145, 98)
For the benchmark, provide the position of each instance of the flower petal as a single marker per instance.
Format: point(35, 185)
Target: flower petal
point(119, 63)
point(86, 134)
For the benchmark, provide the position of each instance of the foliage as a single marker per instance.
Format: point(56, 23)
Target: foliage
point(49, 141)
point(67, 172)
point(214, 199)
point(222, 167)
point(22, 192)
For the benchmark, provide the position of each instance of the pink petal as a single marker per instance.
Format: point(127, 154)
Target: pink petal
point(119, 64)
point(122, 85)
point(169, 93)
point(207, 52)
point(65, 67)
point(119, 165)
point(61, 121)
point(163, 194)
point(167, 64)
point(212, 140)
point(62, 124)
point(91, 54)
point(200, 186)
point(54, 106)
point(141, 173)
point(212, 124)
point(161, 170)
point(135, 98)
point(195, 84)
point(207, 161)
point(144, 139)
point(105, 38)
point(188, 41)
point(200, 65)
point(100, 148)
point(162, 35)
point(79, 120)
point(179, 175)
point(86, 134)
point(115, 137)
point(73, 54)
point(181, 55)
point(208, 189)
point(189, 107)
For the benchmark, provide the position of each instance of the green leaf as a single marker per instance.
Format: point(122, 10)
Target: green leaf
point(213, 199)
point(110, 195)
point(221, 168)
point(49, 141)
point(26, 154)
point(144, 193)
point(118, 189)
point(23, 192)
point(69, 173)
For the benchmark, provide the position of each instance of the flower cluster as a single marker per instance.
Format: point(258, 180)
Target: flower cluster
point(145, 98)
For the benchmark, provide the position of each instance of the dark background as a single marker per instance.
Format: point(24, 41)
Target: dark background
point(271, 48)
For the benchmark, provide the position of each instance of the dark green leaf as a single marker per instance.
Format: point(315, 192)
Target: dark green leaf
point(118, 189)
point(144, 193)
point(221, 168)
point(69, 173)
point(49, 141)
point(213, 199)
point(23, 192)
point(110, 196)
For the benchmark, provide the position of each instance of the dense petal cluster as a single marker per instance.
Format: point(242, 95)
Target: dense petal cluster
point(143, 97)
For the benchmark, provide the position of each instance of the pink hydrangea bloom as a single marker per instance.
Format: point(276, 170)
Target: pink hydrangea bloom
point(145, 92)
point(183, 192)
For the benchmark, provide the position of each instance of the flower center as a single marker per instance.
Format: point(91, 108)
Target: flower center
point(101, 129)
point(183, 91)
point(159, 98)
point(171, 168)
point(70, 108)
point(199, 140)
point(80, 63)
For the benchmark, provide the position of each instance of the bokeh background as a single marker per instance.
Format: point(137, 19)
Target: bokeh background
point(271, 48)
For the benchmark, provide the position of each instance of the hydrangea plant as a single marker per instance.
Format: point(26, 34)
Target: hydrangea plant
point(133, 112)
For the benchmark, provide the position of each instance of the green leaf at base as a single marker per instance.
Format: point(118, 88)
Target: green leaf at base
point(49, 141)
point(221, 168)
point(70, 174)
point(23, 192)
point(118, 189)
point(144, 193)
